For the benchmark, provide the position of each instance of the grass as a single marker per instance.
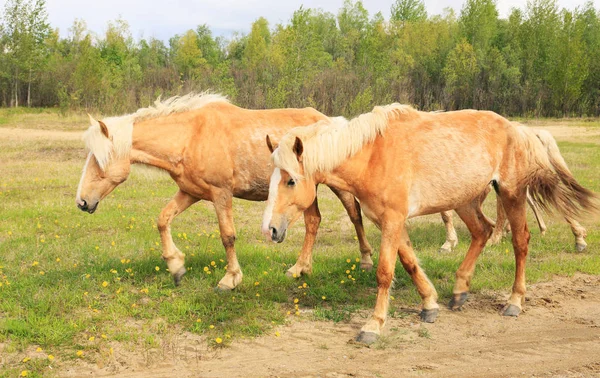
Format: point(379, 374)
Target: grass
point(80, 286)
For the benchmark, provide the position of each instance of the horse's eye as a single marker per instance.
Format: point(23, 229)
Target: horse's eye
point(292, 182)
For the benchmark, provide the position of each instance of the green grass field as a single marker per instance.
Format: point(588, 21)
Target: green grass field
point(74, 285)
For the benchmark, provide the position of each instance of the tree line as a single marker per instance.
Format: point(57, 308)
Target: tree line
point(539, 61)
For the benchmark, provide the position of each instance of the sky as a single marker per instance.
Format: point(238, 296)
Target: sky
point(163, 19)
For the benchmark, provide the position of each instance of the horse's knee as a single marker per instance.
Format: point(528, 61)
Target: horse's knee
point(228, 241)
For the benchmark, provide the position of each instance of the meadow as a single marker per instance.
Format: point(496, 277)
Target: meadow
point(75, 286)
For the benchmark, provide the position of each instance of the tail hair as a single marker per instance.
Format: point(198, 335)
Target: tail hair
point(551, 184)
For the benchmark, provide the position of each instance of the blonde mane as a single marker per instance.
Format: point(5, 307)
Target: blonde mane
point(120, 128)
point(328, 143)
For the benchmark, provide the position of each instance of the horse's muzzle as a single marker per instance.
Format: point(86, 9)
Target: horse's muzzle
point(83, 206)
point(278, 236)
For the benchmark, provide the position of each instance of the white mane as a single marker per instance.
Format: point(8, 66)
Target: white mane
point(326, 144)
point(120, 128)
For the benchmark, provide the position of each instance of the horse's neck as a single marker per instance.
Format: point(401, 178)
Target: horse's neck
point(349, 175)
point(158, 144)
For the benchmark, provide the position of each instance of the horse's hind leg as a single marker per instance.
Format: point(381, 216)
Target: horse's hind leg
point(516, 211)
point(579, 232)
point(353, 209)
point(498, 232)
point(536, 213)
point(171, 254)
point(451, 237)
point(480, 228)
point(223, 202)
point(312, 219)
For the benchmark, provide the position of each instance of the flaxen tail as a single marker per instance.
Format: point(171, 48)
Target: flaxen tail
point(551, 183)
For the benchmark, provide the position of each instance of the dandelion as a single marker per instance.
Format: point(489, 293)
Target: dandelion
point(289, 312)
point(97, 248)
point(104, 284)
point(50, 357)
point(26, 359)
point(347, 271)
point(38, 349)
point(257, 294)
point(198, 320)
point(212, 263)
point(112, 243)
point(342, 281)
point(58, 259)
point(297, 312)
point(323, 297)
point(34, 263)
point(103, 336)
point(218, 340)
point(256, 283)
point(304, 285)
point(348, 260)
point(79, 353)
point(9, 233)
point(211, 326)
point(85, 293)
point(42, 273)
point(277, 334)
point(206, 269)
point(157, 268)
point(24, 373)
point(42, 240)
point(296, 300)
point(92, 338)
point(294, 275)
point(111, 350)
point(392, 297)
point(87, 276)
point(123, 261)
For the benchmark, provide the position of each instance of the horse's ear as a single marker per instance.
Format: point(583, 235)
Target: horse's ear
point(298, 148)
point(272, 146)
point(104, 129)
point(102, 125)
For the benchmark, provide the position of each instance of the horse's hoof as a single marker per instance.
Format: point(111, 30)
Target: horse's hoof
point(457, 301)
point(444, 250)
point(580, 247)
point(511, 310)
point(429, 316)
point(179, 275)
point(221, 288)
point(367, 338)
point(366, 267)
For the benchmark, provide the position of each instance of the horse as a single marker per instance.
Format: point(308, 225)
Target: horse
point(579, 232)
point(402, 163)
point(213, 150)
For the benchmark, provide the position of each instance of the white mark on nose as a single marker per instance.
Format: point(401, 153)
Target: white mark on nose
point(273, 186)
point(78, 196)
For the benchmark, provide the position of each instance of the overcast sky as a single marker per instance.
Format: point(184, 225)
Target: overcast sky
point(163, 19)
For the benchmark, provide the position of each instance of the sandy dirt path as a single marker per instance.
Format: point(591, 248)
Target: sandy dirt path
point(558, 335)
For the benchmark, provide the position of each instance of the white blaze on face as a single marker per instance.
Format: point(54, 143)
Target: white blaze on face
point(273, 186)
point(78, 197)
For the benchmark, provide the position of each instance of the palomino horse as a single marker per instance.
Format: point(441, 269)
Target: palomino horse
point(214, 151)
point(402, 163)
point(551, 148)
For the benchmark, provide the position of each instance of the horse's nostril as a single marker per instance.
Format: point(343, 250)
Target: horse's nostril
point(83, 206)
point(273, 233)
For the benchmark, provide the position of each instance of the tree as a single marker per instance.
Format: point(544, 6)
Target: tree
point(408, 11)
point(25, 29)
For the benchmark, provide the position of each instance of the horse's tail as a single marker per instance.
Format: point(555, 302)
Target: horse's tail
point(551, 183)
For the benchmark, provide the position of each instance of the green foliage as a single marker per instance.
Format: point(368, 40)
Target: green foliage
point(540, 60)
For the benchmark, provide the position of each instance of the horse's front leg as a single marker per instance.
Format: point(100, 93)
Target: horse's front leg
point(312, 220)
point(171, 254)
point(390, 241)
point(223, 206)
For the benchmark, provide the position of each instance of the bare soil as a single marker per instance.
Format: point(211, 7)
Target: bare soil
point(557, 335)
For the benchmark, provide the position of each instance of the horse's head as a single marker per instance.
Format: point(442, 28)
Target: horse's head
point(104, 168)
point(290, 193)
